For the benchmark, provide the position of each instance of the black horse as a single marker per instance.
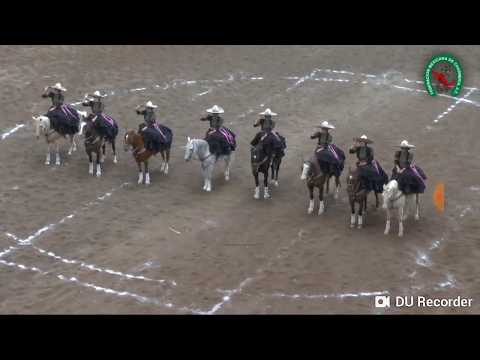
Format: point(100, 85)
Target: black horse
point(262, 154)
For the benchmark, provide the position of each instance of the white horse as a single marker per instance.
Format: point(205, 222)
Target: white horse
point(42, 127)
point(201, 150)
point(393, 198)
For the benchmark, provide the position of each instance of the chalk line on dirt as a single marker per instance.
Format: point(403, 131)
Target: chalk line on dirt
point(453, 106)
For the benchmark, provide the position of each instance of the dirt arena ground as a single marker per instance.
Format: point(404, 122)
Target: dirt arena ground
point(74, 244)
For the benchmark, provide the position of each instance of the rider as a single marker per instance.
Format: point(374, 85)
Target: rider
point(411, 178)
point(105, 125)
point(154, 134)
point(221, 140)
point(267, 124)
point(330, 158)
point(371, 173)
point(64, 118)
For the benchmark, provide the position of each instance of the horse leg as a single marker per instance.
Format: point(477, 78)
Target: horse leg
point(147, 173)
point(337, 187)
point(114, 150)
point(275, 171)
point(209, 177)
point(321, 207)
point(266, 191)
point(363, 204)
point(167, 160)
point(377, 202)
point(353, 216)
point(102, 157)
point(99, 160)
point(400, 220)
point(162, 167)
point(256, 194)
point(72, 142)
point(227, 168)
point(387, 224)
point(311, 205)
point(90, 163)
point(140, 172)
point(417, 207)
point(57, 153)
point(49, 148)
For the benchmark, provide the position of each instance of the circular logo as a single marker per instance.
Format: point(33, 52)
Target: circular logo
point(443, 74)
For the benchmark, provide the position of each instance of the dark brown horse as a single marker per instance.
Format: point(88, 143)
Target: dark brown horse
point(93, 145)
point(315, 178)
point(357, 195)
point(134, 141)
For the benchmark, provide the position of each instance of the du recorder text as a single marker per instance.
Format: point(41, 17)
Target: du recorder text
point(421, 301)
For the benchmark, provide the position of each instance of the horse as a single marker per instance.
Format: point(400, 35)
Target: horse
point(134, 141)
point(356, 195)
point(43, 127)
point(94, 143)
point(393, 198)
point(201, 150)
point(261, 162)
point(315, 178)
point(275, 168)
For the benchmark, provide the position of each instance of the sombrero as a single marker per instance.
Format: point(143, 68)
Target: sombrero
point(59, 86)
point(326, 125)
point(364, 139)
point(150, 105)
point(405, 144)
point(215, 110)
point(268, 112)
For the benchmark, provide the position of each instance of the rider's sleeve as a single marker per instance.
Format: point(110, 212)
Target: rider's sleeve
point(140, 112)
point(397, 158)
point(206, 118)
point(255, 140)
point(352, 150)
point(315, 135)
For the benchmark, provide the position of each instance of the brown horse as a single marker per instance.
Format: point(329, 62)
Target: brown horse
point(315, 178)
point(357, 195)
point(93, 145)
point(134, 141)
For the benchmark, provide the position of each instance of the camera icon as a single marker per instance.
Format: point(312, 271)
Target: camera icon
point(382, 301)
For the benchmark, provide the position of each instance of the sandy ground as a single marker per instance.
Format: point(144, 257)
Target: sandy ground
point(110, 246)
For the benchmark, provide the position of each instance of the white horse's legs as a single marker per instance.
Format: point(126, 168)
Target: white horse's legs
point(227, 168)
point(337, 191)
point(360, 221)
point(321, 208)
point(73, 146)
point(256, 194)
point(99, 170)
point(387, 224)
point(310, 207)
point(400, 221)
point(353, 220)
point(165, 169)
point(57, 154)
point(147, 178)
point(266, 193)
point(115, 159)
point(417, 207)
point(90, 168)
point(47, 159)
point(140, 177)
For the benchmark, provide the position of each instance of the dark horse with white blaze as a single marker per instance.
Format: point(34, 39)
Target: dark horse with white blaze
point(265, 153)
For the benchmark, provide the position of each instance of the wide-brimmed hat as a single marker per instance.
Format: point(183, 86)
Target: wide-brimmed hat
point(215, 110)
point(326, 125)
point(59, 86)
point(364, 139)
point(405, 144)
point(150, 105)
point(98, 94)
point(268, 112)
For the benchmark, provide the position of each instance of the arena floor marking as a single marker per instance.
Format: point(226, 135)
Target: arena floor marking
point(453, 106)
point(227, 298)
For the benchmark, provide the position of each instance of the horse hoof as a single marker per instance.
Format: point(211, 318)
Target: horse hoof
point(99, 174)
point(352, 226)
point(47, 162)
point(57, 163)
point(359, 226)
point(417, 217)
point(115, 161)
point(309, 211)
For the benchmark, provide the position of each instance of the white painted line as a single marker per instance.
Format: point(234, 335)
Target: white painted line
point(11, 131)
point(453, 106)
point(175, 231)
point(331, 296)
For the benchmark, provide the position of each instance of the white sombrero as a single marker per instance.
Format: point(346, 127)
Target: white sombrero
point(150, 105)
point(59, 86)
point(326, 125)
point(364, 139)
point(98, 94)
point(215, 110)
point(268, 112)
point(405, 144)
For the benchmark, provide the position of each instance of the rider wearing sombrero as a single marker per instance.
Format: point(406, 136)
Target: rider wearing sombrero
point(221, 140)
point(64, 119)
point(371, 174)
point(330, 158)
point(410, 178)
point(105, 125)
point(155, 135)
point(267, 124)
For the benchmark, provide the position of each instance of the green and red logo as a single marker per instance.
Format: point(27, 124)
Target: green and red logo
point(443, 74)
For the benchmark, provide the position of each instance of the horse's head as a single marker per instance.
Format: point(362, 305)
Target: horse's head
point(189, 149)
point(129, 140)
point(306, 168)
point(389, 192)
point(42, 124)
